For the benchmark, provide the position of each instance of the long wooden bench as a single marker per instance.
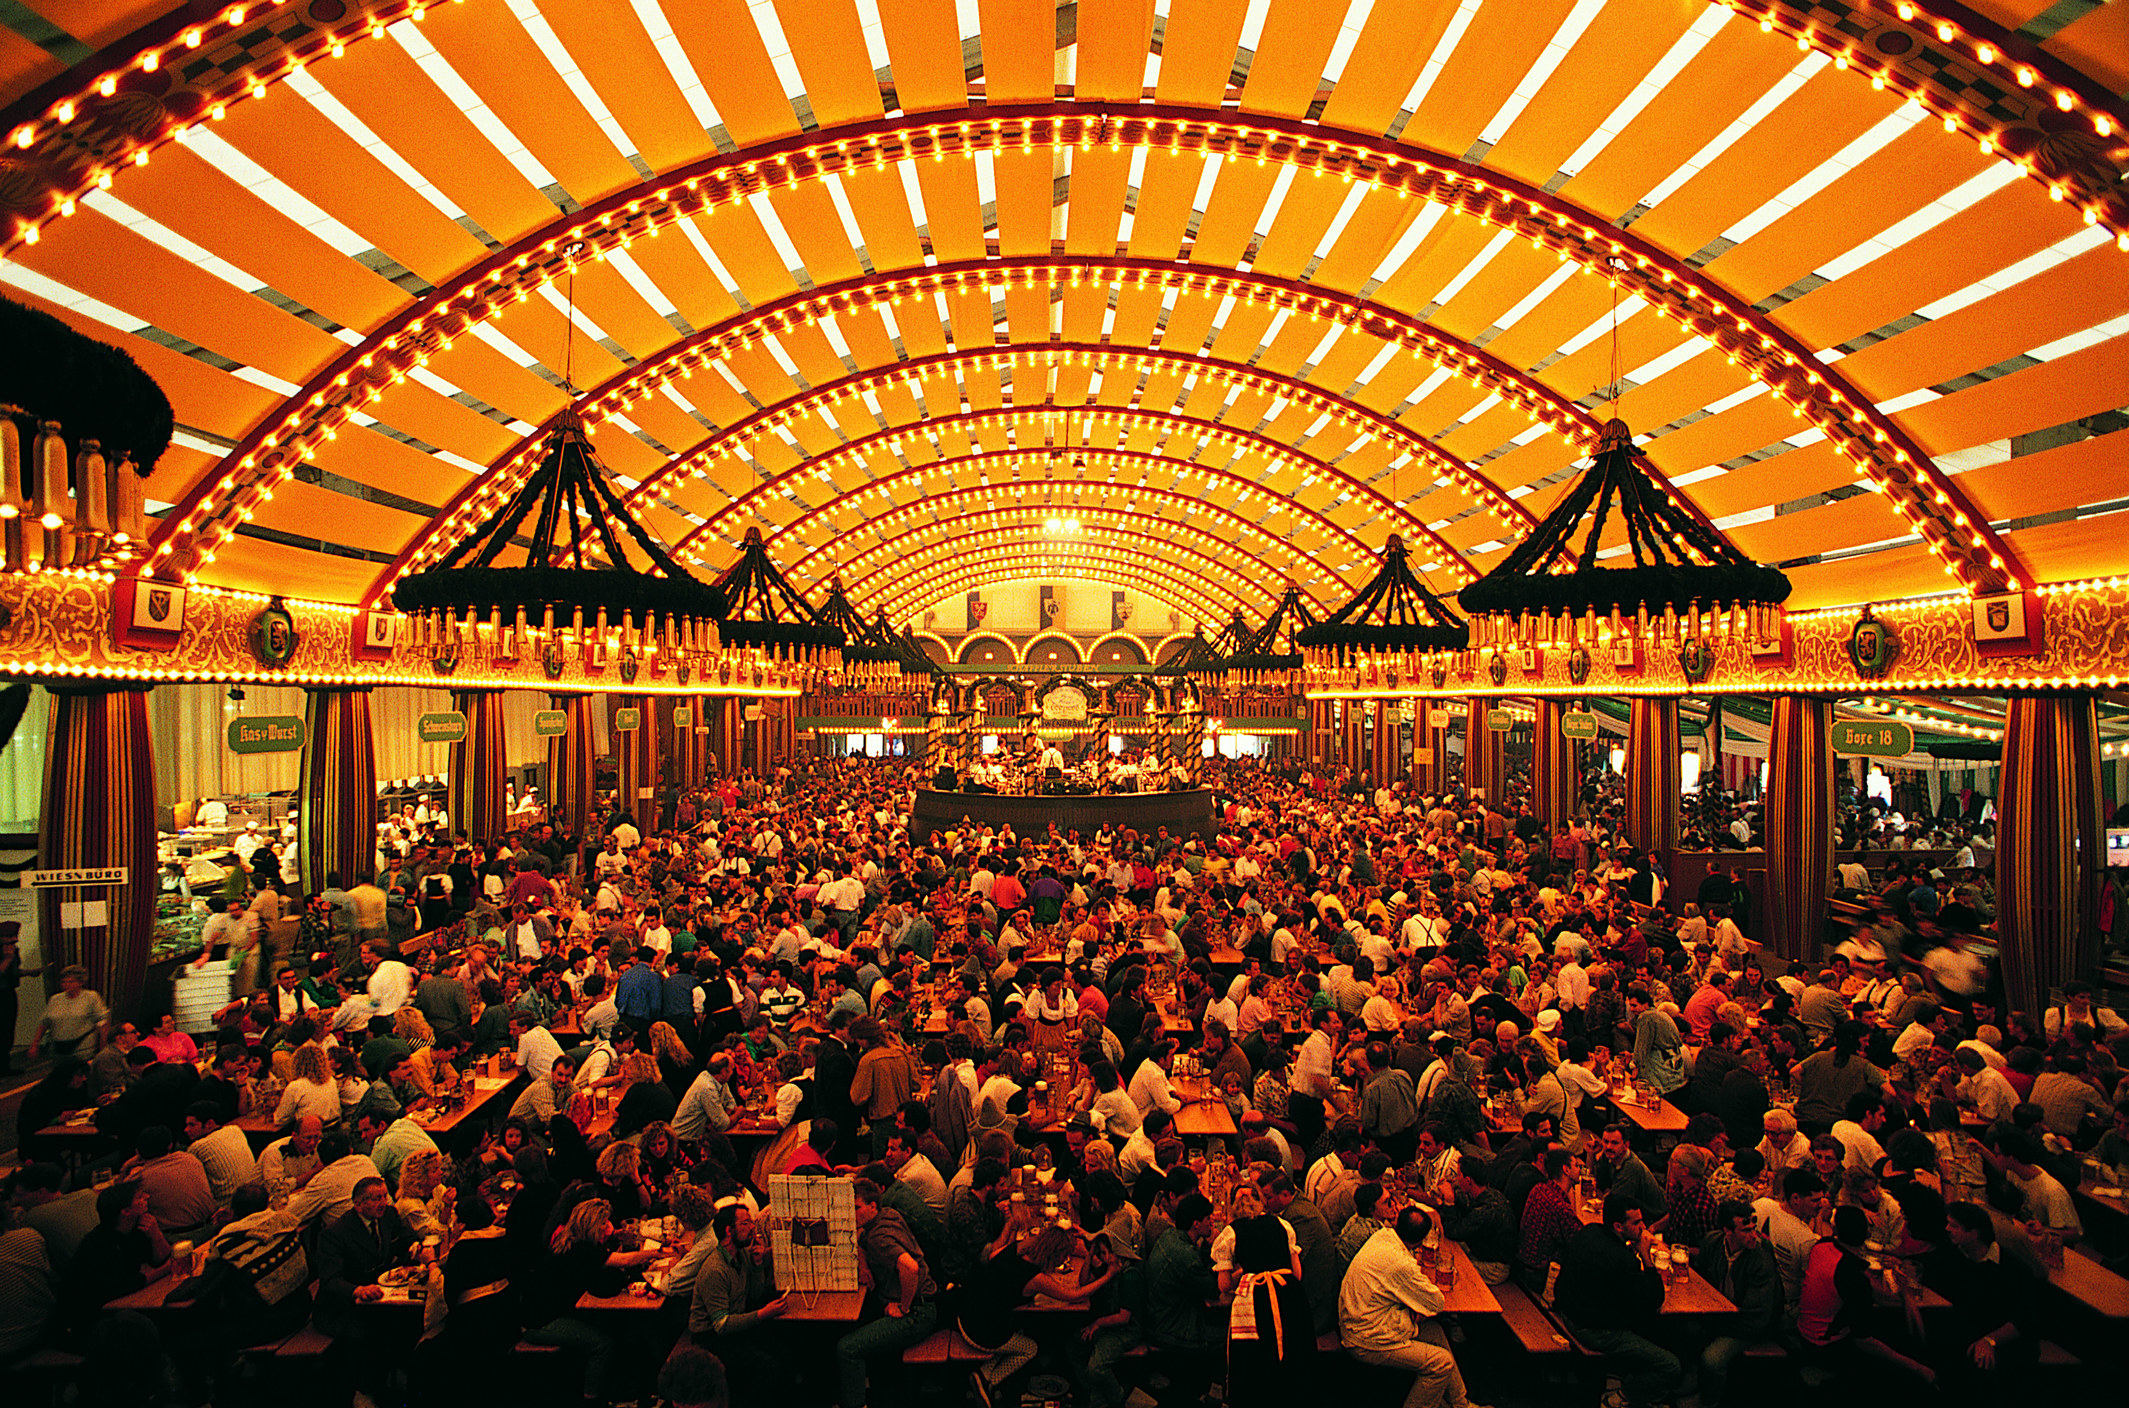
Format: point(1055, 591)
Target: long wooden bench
point(1527, 1321)
point(944, 1347)
point(310, 1342)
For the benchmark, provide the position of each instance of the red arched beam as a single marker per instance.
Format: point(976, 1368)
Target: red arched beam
point(1211, 602)
point(812, 577)
point(1242, 583)
point(1931, 503)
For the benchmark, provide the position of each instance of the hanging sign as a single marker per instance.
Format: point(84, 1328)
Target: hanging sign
point(1872, 739)
point(627, 720)
point(550, 723)
point(1499, 720)
point(752, 713)
point(446, 727)
point(266, 733)
point(50, 879)
point(683, 717)
point(1423, 757)
point(1578, 725)
point(1437, 718)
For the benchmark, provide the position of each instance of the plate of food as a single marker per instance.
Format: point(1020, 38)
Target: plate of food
point(398, 1277)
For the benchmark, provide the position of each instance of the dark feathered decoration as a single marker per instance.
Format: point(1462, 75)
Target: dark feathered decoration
point(1393, 613)
point(48, 371)
point(764, 610)
point(562, 541)
point(1680, 563)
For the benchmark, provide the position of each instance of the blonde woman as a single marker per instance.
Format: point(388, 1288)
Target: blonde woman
point(676, 1064)
point(425, 1201)
point(312, 1089)
point(620, 1169)
point(645, 1098)
point(412, 1028)
point(581, 1260)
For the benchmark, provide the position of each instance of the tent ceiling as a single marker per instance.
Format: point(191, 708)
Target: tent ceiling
point(860, 272)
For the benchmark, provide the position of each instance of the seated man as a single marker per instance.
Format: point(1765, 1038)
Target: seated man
point(1610, 1295)
point(1388, 1309)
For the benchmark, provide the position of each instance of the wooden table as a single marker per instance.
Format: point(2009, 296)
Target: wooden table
point(833, 1307)
point(1470, 1295)
point(1694, 1295)
point(2092, 1284)
point(261, 1130)
point(77, 1138)
point(1203, 1113)
point(1227, 958)
point(1664, 1118)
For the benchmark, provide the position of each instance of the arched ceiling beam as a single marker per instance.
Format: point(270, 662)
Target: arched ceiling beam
point(682, 359)
point(1930, 502)
point(1399, 520)
point(86, 123)
point(1212, 602)
point(812, 575)
point(481, 497)
point(1209, 608)
point(885, 487)
point(1263, 588)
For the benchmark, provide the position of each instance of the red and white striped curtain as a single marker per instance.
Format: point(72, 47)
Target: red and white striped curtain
point(2048, 820)
point(1652, 774)
point(99, 811)
point(1799, 812)
point(339, 789)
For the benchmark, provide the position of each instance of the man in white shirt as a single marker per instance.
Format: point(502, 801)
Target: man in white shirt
point(1787, 1227)
point(1388, 1312)
point(331, 1191)
point(221, 1149)
point(536, 1046)
point(917, 1171)
point(1149, 1083)
point(290, 1163)
point(1984, 1087)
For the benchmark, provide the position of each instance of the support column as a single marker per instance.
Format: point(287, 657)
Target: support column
point(1434, 776)
point(1652, 777)
point(1353, 751)
point(338, 828)
point(478, 765)
point(1553, 783)
point(1799, 810)
point(573, 768)
point(1485, 753)
point(1384, 766)
point(731, 731)
point(99, 812)
point(2048, 816)
point(636, 760)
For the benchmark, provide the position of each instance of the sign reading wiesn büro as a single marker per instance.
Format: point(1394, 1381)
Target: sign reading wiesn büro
point(50, 879)
point(265, 733)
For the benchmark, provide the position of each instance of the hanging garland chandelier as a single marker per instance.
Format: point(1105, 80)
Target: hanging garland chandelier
point(1391, 633)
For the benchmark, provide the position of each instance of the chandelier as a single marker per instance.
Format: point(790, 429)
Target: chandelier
point(1383, 640)
point(562, 565)
point(764, 612)
point(1687, 583)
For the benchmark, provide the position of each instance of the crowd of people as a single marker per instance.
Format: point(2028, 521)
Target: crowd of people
point(1421, 1014)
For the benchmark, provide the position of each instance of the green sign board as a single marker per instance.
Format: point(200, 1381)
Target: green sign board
point(446, 727)
point(684, 717)
point(1499, 720)
point(1582, 725)
point(550, 723)
point(1875, 738)
point(627, 720)
point(266, 733)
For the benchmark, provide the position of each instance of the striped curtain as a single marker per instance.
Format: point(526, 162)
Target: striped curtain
point(1437, 776)
point(1485, 752)
point(636, 759)
point(731, 728)
point(2048, 814)
point(573, 767)
point(1552, 765)
point(1652, 780)
point(477, 766)
point(1800, 772)
point(339, 789)
point(99, 811)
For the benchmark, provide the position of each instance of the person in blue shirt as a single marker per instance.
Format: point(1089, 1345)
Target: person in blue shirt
point(639, 993)
point(679, 1006)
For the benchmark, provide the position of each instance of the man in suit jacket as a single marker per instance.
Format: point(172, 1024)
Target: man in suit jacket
point(353, 1251)
point(834, 1067)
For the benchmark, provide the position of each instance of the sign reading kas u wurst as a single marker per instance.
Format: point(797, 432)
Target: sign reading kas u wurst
point(266, 733)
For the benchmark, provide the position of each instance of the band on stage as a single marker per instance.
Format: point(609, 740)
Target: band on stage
point(1040, 767)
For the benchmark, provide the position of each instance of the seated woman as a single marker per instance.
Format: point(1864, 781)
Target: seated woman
point(1021, 1264)
point(425, 1200)
point(583, 1257)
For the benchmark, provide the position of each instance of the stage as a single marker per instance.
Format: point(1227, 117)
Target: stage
point(1183, 813)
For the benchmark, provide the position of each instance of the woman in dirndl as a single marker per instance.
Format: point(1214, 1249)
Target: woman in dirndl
point(1271, 1340)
